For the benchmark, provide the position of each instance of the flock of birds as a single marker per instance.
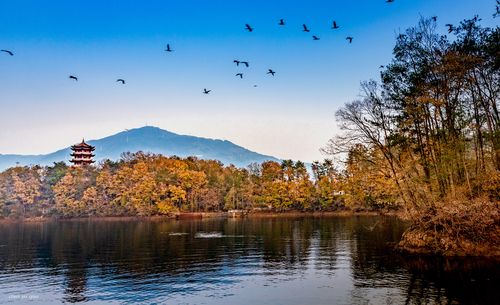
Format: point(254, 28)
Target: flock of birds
point(250, 29)
point(281, 23)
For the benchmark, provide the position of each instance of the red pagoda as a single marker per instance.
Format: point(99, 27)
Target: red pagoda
point(82, 154)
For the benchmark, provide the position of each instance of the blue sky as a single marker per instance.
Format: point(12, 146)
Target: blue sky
point(288, 116)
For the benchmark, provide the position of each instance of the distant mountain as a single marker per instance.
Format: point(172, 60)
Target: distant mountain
point(153, 140)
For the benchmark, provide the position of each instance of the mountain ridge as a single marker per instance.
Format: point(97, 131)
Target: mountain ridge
point(149, 139)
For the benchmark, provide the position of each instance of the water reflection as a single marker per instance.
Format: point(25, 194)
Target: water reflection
point(342, 260)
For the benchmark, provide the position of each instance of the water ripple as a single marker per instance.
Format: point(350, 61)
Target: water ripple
point(244, 261)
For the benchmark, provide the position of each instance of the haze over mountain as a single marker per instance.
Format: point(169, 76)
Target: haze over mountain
point(149, 139)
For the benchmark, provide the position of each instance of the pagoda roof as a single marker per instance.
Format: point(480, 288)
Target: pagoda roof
point(83, 145)
point(80, 154)
point(81, 161)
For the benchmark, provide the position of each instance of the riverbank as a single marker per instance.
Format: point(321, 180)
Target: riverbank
point(208, 215)
point(417, 242)
point(340, 213)
point(455, 228)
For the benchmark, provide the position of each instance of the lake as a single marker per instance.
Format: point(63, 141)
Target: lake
point(330, 260)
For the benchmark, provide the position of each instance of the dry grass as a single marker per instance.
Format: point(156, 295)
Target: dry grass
point(456, 228)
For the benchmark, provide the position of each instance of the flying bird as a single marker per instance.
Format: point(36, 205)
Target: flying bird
point(315, 37)
point(240, 75)
point(248, 27)
point(237, 62)
point(121, 81)
point(434, 18)
point(305, 28)
point(168, 49)
point(349, 38)
point(8, 52)
point(205, 91)
point(335, 26)
point(389, 1)
point(282, 22)
point(270, 71)
point(73, 77)
point(450, 27)
point(245, 63)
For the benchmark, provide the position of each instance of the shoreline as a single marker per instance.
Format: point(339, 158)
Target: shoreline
point(340, 213)
point(205, 215)
point(401, 247)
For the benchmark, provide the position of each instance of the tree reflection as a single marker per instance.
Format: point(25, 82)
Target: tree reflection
point(166, 258)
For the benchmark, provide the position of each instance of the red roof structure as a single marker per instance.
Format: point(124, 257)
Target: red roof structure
point(82, 154)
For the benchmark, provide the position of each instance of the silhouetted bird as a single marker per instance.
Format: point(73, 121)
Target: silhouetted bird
point(315, 37)
point(73, 77)
point(240, 75)
point(282, 22)
point(121, 81)
point(305, 28)
point(237, 62)
point(248, 27)
point(434, 18)
point(335, 26)
point(8, 52)
point(245, 63)
point(381, 66)
point(450, 27)
point(270, 71)
point(205, 91)
point(389, 1)
point(168, 49)
point(349, 38)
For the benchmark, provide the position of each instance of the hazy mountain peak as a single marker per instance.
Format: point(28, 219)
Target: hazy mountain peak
point(150, 139)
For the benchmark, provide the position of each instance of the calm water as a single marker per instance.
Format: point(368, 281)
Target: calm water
point(227, 261)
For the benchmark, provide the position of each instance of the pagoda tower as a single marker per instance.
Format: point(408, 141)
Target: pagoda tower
point(82, 154)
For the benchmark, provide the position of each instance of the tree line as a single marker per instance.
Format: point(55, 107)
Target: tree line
point(147, 184)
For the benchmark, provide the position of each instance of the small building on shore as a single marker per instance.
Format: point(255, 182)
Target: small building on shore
point(82, 154)
point(237, 213)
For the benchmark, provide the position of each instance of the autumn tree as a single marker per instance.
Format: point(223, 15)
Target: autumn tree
point(327, 185)
point(21, 188)
point(71, 192)
point(286, 185)
point(431, 126)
